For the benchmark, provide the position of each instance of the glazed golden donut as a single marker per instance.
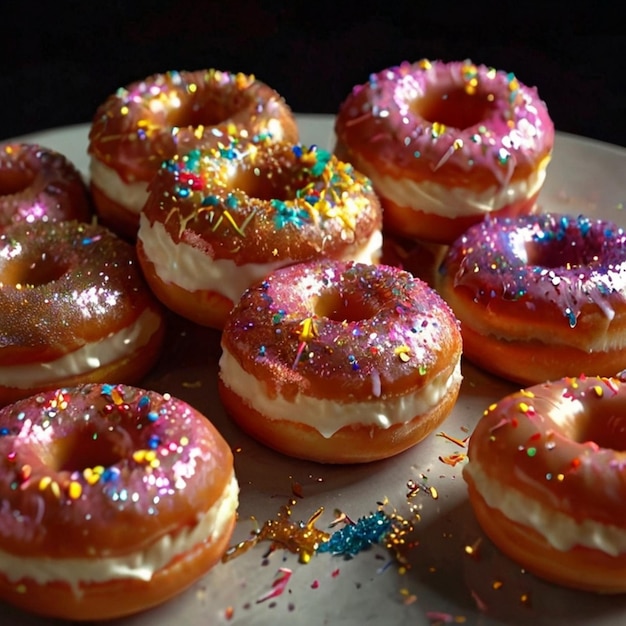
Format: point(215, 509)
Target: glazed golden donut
point(218, 220)
point(114, 499)
point(547, 483)
point(446, 144)
point(540, 297)
point(340, 362)
point(138, 127)
point(37, 183)
point(73, 308)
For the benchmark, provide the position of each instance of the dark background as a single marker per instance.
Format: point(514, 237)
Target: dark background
point(61, 59)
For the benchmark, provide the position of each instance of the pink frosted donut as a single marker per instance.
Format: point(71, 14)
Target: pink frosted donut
point(340, 362)
point(37, 183)
point(114, 499)
point(145, 123)
point(446, 144)
point(540, 296)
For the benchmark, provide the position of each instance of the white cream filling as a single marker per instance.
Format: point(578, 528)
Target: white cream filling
point(131, 196)
point(85, 359)
point(559, 530)
point(136, 565)
point(193, 270)
point(328, 416)
point(453, 202)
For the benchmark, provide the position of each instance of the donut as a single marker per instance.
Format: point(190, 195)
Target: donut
point(340, 362)
point(139, 126)
point(114, 499)
point(217, 220)
point(540, 297)
point(446, 144)
point(74, 308)
point(546, 480)
point(37, 183)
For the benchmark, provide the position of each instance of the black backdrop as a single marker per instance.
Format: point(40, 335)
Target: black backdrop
point(60, 59)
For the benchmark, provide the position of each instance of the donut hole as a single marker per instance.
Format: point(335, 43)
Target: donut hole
point(607, 429)
point(559, 253)
point(86, 448)
point(24, 274)
point(339, 307)
point(456, 109)
point(15, 181)
point(197, 116)
point(261, 183)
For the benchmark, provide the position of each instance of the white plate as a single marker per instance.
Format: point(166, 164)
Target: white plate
point(443, 584)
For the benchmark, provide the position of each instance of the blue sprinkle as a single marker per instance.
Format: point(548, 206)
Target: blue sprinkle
point(110, 474)
point(210, 201)
point(353, 538)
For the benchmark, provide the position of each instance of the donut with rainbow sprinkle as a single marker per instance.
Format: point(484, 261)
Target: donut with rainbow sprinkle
point(139, 126)
point(540, 296)
point(340, 362)
point(114, 499)
point(547, 483)
point(219, 219)
point(446, 144)
point(37, 183)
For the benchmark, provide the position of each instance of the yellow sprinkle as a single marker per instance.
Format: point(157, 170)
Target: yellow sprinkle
point(438, 129)
point(56, 490)
point(75, 490)
point(234, 224)
point(403, 352)
point(523, 407)
point(598, 391)
point(44, 483)
point(124, 110)
point(91, 476)
point(116, 397)
point(308, 329)
point(139, 456)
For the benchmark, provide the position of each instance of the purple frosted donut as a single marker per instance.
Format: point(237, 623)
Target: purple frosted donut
point(446, 144)
point(540, 297)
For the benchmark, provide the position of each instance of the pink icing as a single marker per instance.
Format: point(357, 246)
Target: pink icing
point(343, 329)
point(453, 115)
